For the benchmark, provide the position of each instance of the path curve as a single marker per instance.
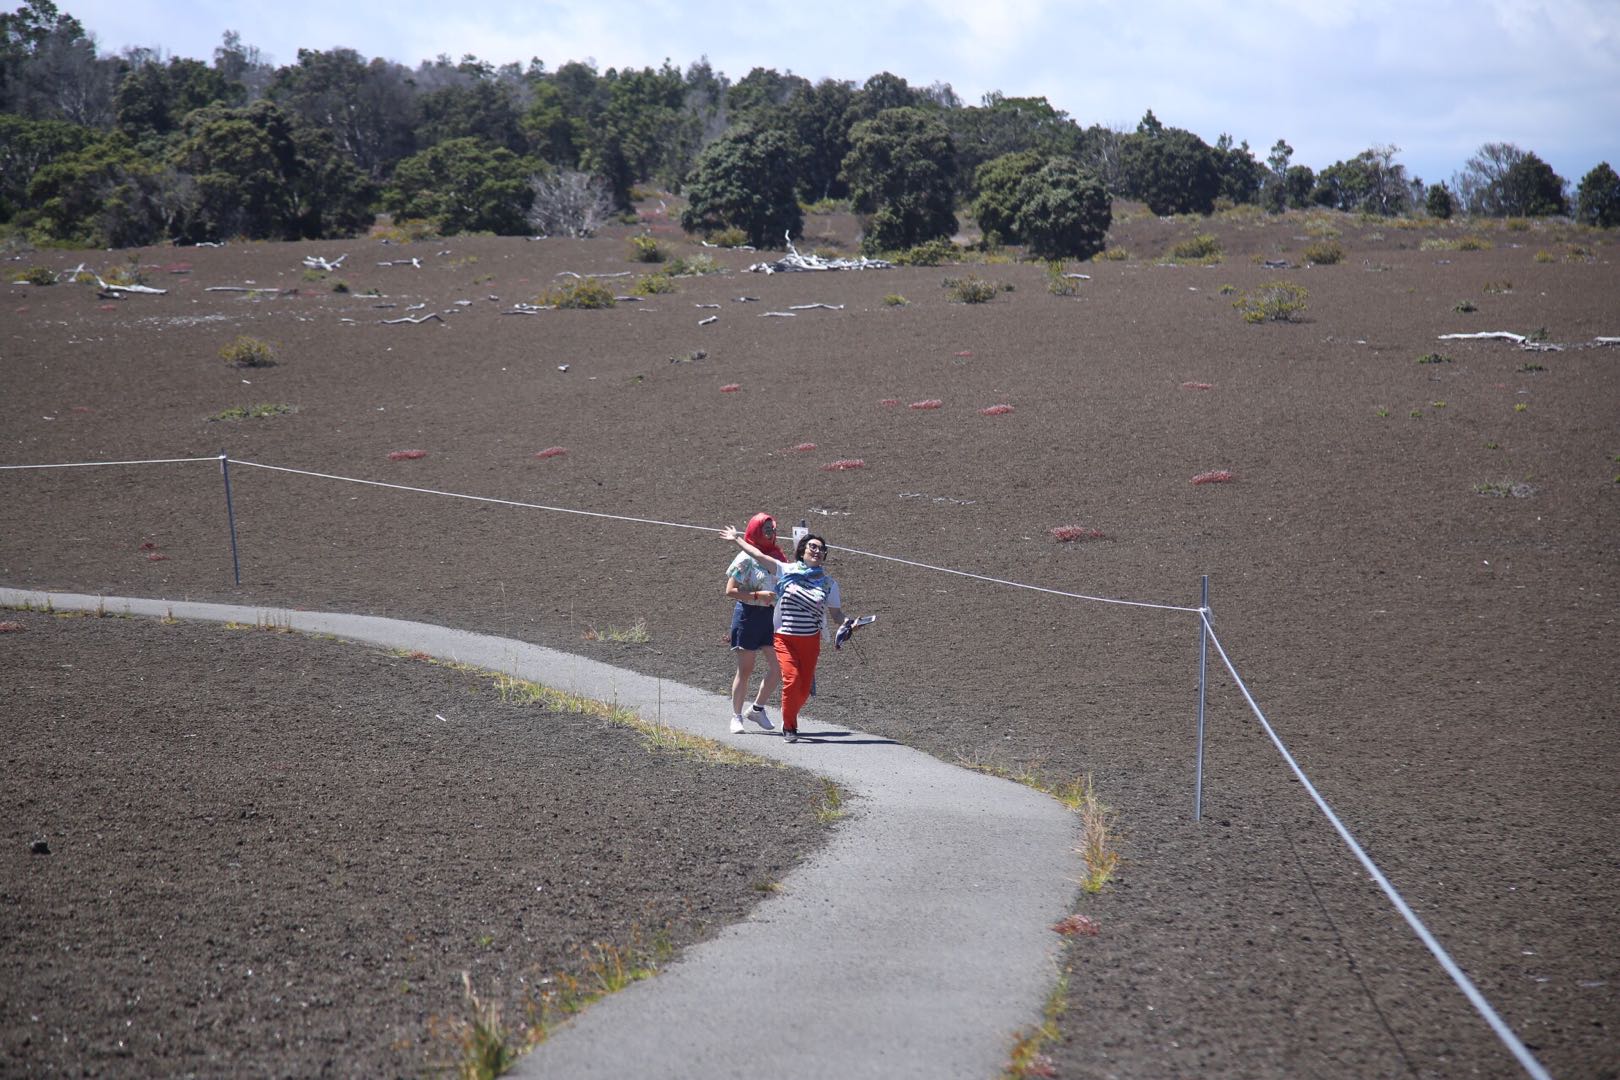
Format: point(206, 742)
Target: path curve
point(916, 943)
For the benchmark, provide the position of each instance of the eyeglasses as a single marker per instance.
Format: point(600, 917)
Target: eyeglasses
point(813, 547)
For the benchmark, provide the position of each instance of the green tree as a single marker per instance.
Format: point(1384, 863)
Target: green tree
point(369, 107)
point(1298, 183)
point(1241, 175)
point(817, 121)
point(107, 194)
point(1597, 200)
point(761, 91)
point(26, 146)
point(464, 185)
point(901, 169)
point(262, 175)
point(1173, 171)
point(470, 105)
point(1530, 188)
point(1004, 125)
point(643, 133)
point(154, 98)
point(746, 179)
point(1438, 203)
point(1063, 212)
point(1000, 186)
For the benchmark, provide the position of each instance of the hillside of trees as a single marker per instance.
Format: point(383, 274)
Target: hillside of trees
point(138, 149)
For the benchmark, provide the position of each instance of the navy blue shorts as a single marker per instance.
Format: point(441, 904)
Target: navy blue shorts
point(752, 626)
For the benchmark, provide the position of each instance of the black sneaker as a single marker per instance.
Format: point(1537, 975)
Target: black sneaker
point(790, 734)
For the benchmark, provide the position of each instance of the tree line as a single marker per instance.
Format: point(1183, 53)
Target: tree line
point(138, 149)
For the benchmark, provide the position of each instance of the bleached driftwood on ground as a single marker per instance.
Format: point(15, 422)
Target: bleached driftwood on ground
point(412, 320)
point(403, 262)
point(776, 315)
point(570, 273)
point(705, 305)
point(73, 275)
point(794, 262)
point(245, 288)
point(812, 307)
point(315, 262)
point(527, 309)
point(746, 300)
point(1520, 340)
point(710, 319)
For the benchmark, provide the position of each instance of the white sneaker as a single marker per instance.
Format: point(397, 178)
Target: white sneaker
point(736, 725)
point(759, 716)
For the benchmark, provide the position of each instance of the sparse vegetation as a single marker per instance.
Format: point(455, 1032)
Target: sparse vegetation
point(37, 275)
point(1465, 307)
point(248, 352)
point(1324, 252)
point(647, 249)
point(1274, 301)
point(971, 289)
point(635, 634)
point(653, 284)
point(692, 266)
point(1433, 358)
point(1203, 249)
point(584, 293)
point(932, 253)
point(895, 300)
point(252, 412)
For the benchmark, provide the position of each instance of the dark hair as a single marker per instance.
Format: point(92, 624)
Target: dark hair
point(798, 552)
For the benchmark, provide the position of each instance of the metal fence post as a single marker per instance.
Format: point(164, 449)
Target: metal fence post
point(1203, 683)
point(230, 513)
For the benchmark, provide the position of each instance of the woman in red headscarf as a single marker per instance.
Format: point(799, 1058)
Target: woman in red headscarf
point(753, 586)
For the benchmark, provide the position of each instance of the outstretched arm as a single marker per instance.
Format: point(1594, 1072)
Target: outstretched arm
point(730, 533)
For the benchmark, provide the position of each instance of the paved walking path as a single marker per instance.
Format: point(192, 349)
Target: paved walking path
point(915, 944)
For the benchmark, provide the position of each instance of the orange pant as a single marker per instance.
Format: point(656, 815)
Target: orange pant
point(798, 654)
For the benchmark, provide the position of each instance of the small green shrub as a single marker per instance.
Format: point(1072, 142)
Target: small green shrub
point(1518, 224)
point(652, 284)
point(248, 352)
point(1273, 301)
point(407, 230)
point(1057, 284)
point(895, 300)
point(1324, 252)
point(587, 293)
point(1228, 289)
point(38, 275)
point(729, 237)
point(1433, 358)
point(1474, 243)
point(825, 206)
point(1203, 248)
point(1112, 254)
point(1465, 307)
point(932, 253)
point(252, 412)
point(694, 266)
point(1545, 256)
point(340, 286)
point(972, 289)
point(1498, 288)
point(647, 249)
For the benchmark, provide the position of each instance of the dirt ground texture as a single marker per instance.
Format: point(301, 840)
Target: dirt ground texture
point(1412, 568)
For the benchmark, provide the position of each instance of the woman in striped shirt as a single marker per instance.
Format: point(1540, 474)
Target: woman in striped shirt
point(805, 596)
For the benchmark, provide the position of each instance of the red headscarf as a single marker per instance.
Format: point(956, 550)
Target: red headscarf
point(755, 534)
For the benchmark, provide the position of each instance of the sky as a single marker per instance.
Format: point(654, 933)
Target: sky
point(1435, 78)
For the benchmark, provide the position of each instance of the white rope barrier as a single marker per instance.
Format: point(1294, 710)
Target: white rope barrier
point(94, 464)
point(704, 528)
point(1483, 1007)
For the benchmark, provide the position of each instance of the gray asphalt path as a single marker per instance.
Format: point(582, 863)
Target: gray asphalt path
point(917, 943)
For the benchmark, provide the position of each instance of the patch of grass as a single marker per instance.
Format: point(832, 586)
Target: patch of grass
point(1273, 301)
point(1473, 243)
point(1520, 406)
point(1433, 358)
point(340, 286)
point(1057, 284)
point(253, 412)
point(1097, 849)
point(931, 253)
point(1027, 1058)
point(653, 284)
point(830, 803)
point(1465, 307)
point(635, 634)
point(971, 289)
point(584, 294)
point(1324, 252)
point(823, 207)
point(692, 266)
point(1321, 228)
point(482, 1045)
point(1203, 250)
point(895, 300)
point(729, 237)
point(1545, 256)
point(647, 249)
point(37, 275)
point(1531, 368)
point(1503, 489)
point(1381, 411)
point(1112, 254)
point(248, 352)
point(1498, 288)
point(407, 230)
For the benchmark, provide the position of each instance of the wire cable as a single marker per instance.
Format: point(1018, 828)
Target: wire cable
point(1483, 1007)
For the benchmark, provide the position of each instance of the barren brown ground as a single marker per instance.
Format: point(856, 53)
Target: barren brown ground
point(1440, 661)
